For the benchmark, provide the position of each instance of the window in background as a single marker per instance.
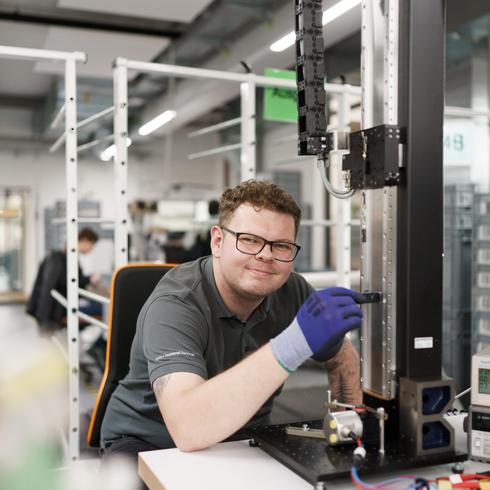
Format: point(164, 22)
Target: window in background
point(12, 236)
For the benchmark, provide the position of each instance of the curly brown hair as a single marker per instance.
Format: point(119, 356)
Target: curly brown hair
point(262, 195)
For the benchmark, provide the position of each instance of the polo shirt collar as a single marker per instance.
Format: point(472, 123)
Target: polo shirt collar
point(221, 308)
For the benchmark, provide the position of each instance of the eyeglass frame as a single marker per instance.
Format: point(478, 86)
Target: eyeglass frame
point(266, 242)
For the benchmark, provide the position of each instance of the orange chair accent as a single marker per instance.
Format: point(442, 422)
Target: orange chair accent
point(131, 286)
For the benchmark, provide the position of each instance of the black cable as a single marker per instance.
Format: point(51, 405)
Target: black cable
point(421, 484)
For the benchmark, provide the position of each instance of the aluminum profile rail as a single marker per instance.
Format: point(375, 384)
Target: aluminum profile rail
point(91, 144)
point(120, 159)
point(79, 125)
point(379, 253)
point(226, 76)
point(73, 336)
point(90, 319)
point(94, 296)
point(85, 220)
point(214, 151)
point(216, 127)
point(28, 54)
point(58, 117)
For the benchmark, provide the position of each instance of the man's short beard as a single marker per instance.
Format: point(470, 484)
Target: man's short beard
point(250, 296)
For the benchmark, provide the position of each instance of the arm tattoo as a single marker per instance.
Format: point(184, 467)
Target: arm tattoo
point(159, 385)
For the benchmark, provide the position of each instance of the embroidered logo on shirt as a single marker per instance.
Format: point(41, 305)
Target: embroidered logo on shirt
point(172, 354)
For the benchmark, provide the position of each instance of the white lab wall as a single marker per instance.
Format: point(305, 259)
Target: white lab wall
point(152, 169)
point(15, 122)
point(468, 87)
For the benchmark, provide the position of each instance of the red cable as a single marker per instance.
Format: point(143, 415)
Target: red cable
point(467, 476)
point(466, 483)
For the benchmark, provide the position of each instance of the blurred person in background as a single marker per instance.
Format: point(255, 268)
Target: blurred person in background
point(174, 250)
point(202, 245)
point(49, 314)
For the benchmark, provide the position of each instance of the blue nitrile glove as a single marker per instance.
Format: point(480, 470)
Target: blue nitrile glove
point(319, 327)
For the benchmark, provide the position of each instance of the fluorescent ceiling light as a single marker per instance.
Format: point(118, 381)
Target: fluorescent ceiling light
point(284, 42)
point(110, 151)
point(157, 122)
point(329, 15)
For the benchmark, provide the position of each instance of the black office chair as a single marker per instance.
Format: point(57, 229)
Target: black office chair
point(132, 284)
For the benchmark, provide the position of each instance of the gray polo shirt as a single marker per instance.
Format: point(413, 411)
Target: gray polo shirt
point(184, 326)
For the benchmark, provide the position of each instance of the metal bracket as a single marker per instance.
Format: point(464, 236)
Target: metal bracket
point(374, 160)
point(305, 431)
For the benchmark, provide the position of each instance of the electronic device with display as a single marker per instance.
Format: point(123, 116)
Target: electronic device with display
point(479, 414)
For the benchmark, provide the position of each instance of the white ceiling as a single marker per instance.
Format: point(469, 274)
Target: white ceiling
point(17, 77)
point(101, 47)
point(171, 10)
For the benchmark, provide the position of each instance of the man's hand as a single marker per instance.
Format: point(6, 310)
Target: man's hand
point(344, 375)
point(319, 327)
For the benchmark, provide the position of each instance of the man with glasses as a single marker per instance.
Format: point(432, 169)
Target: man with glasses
point(219, 336)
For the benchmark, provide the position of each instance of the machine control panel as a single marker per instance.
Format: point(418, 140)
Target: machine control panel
point(479, 414)
point(479, 433)
point(480, 378)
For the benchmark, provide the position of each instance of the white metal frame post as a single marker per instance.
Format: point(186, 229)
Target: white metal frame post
point(72, 257)
point(69, 110)
point(121, 162)
point(248, 132)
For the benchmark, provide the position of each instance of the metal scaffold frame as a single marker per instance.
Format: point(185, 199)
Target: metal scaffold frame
point(247, 85)
point(69, 111)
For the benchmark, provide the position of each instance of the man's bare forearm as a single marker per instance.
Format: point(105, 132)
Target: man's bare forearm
point(344, 374)
point(217, 408)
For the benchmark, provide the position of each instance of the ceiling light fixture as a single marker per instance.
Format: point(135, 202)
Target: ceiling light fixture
point(110, 151)
point(157, 122)
point(329, 15)
point(283, 43)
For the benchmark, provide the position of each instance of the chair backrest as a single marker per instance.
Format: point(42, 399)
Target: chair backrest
point(132, 284)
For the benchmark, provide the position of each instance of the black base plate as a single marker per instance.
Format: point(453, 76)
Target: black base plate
point(314, 461)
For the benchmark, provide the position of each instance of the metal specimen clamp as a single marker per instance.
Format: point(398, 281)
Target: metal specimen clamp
point(375, 157)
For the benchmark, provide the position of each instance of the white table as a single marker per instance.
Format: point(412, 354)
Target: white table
point(229, 465)
point(237, 466)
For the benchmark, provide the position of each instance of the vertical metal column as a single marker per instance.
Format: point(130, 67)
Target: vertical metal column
point(343, 230)
point(120, 162)
point(248, 150)
point(72, 257)
point(421, 214)
point(379, 73)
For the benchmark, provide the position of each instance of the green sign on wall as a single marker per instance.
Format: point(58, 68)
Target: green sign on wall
point(280, 103)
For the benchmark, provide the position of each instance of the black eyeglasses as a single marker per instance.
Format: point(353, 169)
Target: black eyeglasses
point(253, 244)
